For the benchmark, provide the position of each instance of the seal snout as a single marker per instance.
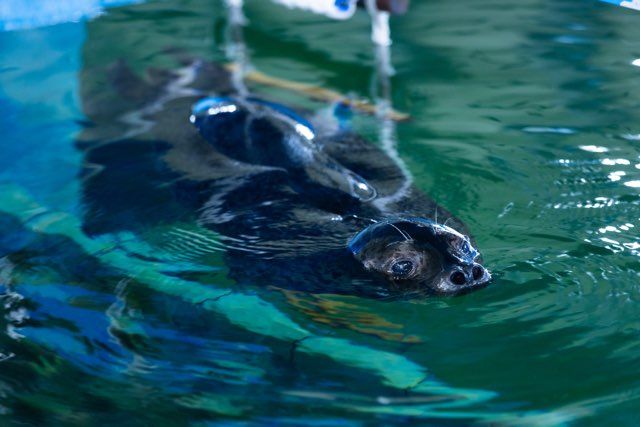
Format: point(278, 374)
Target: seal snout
point(470, 275)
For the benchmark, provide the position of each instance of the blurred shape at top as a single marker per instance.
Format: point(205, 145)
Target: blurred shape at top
point(27, 14)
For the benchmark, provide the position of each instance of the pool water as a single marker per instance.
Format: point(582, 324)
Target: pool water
point(523, 124)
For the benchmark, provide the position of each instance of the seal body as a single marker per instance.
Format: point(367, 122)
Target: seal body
point(294, 208)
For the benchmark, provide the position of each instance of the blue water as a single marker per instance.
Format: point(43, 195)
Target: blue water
point(523, 124)
point(40, 109)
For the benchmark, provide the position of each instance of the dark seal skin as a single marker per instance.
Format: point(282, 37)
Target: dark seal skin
point(295, 206)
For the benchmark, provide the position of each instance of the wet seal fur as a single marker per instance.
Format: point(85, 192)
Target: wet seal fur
point(295, 206)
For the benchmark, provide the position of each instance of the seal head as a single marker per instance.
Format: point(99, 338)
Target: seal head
point(418, 255)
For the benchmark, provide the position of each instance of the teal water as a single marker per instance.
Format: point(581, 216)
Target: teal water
point(523, 125)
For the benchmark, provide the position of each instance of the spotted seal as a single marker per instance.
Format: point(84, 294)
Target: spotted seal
point(294, 207)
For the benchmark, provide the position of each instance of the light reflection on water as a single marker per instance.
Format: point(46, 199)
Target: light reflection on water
point(524, 124)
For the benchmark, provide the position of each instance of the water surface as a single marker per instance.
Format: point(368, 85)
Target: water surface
point(524, 125)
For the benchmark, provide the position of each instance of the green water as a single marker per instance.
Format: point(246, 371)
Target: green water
point(523, 125)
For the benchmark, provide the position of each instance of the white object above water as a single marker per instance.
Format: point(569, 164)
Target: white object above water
point(335, 9)
point(345, 9)
point(632, 4)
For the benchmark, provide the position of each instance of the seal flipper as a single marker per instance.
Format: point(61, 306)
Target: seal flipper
point(268, 134)
point(331, 174)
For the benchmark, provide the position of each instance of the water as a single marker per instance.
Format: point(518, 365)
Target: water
point(523, 124)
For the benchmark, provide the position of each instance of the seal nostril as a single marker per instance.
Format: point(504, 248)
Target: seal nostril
point(458, 278)
point(477, 272)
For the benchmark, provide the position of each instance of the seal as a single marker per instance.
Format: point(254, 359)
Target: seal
point(294, 206)
point(416, 254)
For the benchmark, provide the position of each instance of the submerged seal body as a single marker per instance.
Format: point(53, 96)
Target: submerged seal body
point(294, 207)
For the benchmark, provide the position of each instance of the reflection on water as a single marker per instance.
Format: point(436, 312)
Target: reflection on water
point(523, 124)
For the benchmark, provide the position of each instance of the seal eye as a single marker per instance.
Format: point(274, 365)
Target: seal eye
point(402, 269)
